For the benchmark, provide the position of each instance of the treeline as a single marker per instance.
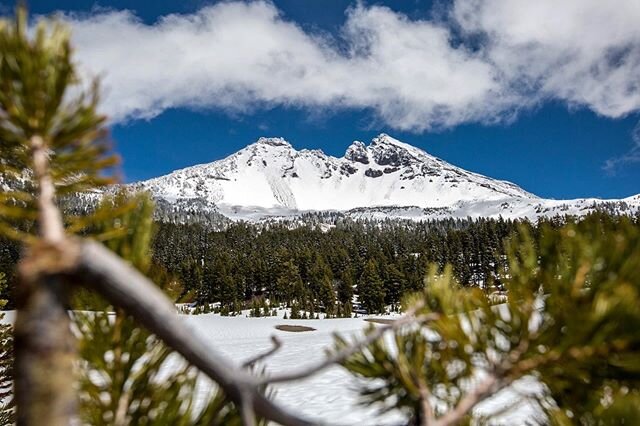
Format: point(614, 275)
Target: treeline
point(313, 268)
point(316, 269)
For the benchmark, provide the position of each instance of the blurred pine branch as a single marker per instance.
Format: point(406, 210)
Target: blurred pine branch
point(571, 321)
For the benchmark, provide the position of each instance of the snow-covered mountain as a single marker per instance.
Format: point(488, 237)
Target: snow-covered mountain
point(386, 178)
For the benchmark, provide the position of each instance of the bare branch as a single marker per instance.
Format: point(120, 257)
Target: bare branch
point(277, 344)
point(246, 411)
point(428, 414)
point(344, 354)
point(49, 217)
point(121, 411)
point(496, 380)
point(125, 287)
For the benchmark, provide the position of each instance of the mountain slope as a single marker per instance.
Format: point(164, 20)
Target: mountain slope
point(387, 178)
point(271, 174)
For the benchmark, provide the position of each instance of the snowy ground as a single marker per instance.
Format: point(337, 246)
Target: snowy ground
point(331, 396)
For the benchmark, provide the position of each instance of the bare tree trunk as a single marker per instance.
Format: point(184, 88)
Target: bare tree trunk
point(44, 345)
point(45, 352)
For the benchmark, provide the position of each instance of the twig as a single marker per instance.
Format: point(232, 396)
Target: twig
point(277, 344)
point(428, 414)
point(344, 354)
point(509, 407)
point(485, 388)
point(495, 381)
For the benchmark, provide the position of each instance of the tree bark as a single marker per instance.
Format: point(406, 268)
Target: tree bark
point(44, 350)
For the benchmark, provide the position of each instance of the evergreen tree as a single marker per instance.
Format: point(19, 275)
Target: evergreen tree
point(345, 286)
point(289, 284)
point(221, 280)
point(394, 284)
point(295, 311)
point(371, 288)
point(7, 415)
point(9, 255)
point(327, 296)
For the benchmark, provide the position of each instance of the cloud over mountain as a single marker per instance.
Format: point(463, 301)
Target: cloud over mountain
point(485, 62)
point(583, 52)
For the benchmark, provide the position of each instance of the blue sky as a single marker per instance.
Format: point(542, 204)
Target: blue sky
point(456, 79)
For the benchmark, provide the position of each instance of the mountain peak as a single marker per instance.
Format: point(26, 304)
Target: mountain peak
point(384, 139)
point(388, 151)
point(273, 141)
point(271, 174)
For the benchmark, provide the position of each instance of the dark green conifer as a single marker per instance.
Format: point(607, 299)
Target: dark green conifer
point(371, 288)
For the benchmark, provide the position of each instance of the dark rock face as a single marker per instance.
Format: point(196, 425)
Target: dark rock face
point(273, 141)
point(357, 152)
point(388, 154)
point(347, 169)
point(408, 174)
point(429, 171)
point(373, 173)
point(389, 157)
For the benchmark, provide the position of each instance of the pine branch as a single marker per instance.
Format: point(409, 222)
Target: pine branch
point(49, 218)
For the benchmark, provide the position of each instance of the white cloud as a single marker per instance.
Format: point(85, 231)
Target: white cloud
point(411, 74)
point(239, 56)
point(583, 52)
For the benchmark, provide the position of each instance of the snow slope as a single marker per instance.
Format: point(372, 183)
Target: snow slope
point(272, 174)
point(386, 178)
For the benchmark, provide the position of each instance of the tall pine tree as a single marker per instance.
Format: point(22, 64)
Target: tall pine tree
point(371, 288)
